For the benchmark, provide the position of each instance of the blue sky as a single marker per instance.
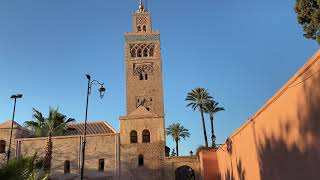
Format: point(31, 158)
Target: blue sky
point(241, 51)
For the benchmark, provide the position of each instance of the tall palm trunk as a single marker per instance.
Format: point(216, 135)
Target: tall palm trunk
point(177, 147)
point(204, 128)
point(212, 132)
point(48, 154)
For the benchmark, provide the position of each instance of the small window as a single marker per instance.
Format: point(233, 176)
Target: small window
point(148, 108)
point(151, 52)
point(140, 76)
point(144, 28)
point(139, 29)
point(67, 167)
point(133, 53)
point(133, 136)
point(2, 146)
point(139, 54)
point(145, 52)
point(145, 76)
point(146, 135)
point(140, 160)
point(101, 165)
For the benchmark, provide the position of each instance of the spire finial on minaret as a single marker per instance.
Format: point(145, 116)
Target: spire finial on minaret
point(141, 7)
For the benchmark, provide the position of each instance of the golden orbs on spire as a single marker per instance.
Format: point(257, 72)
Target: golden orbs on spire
point(141, 5)
point(141, 8)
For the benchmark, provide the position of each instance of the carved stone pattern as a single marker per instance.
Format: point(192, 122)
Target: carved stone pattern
point(147, 101)
point(146, 50)
point(141, 20)
point(146, 68)
point(144, 38)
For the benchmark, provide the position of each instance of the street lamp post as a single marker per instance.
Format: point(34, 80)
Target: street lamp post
point(102, 90)
point(15, 97)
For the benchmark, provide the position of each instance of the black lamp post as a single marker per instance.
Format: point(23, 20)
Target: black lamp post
point(15, 97)
point(213, 137)
point(102, 90)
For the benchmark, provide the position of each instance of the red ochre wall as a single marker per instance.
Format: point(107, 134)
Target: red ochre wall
point(282, 140)
point(209, 165)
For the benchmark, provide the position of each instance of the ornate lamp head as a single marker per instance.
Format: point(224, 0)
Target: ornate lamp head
point(102, 90)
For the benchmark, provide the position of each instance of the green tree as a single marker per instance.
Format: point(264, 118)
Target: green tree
point(53, 125)
point(198, 98)
point(308, 12)
point(212, 107)
point(177, 131)
point(24, 168)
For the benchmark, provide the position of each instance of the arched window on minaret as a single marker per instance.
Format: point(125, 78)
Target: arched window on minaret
point(145, 136)
point(144, 28)
point(139, 28)
point(133, 136)
point(141, 76)
point(145, 52)
point(133, 52)
point(151, 51)
point(139, 54)
point(140, 160)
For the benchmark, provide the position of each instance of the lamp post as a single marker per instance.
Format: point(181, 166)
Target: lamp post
point(15, 97)
point(102, 90)
point(213, 137)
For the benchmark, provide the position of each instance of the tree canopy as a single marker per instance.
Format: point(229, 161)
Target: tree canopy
point(54, 124)
point(308, 12)
point(177, 132)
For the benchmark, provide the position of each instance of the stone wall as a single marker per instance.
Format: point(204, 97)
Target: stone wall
point(154, 124)
point(153, 152)
point(151, 89)
point(17, 132)
point(171, 164)
point(5, 135)
point(65, 148)
point(281, 141)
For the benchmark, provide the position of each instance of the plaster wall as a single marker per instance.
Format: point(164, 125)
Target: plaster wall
point(281, 141)
point(208, 165)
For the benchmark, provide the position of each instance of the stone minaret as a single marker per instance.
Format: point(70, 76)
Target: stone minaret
point(143, 65)
point(142, 130)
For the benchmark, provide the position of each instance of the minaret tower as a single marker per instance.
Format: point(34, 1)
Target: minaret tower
point(142, 130)
point(143, 65)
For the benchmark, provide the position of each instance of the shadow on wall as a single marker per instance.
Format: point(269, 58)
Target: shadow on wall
point(281, 161)
point(241, 172)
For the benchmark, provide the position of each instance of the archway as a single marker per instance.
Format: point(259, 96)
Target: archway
point(184, 173)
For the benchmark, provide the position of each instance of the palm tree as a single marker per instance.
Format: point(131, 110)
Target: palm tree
point(212, 107)
point(24, 168)
point(177, 131)
point(53, 125)
point(198, 98)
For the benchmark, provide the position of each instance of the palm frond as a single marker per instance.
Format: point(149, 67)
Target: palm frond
point(213, 107)
point(37, 115)
point(177, 131)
